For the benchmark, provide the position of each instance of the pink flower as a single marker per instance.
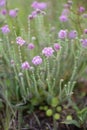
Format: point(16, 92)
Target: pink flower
point(39, 5)
point(65, 12)
point(4, 11)
point(31, 46)
point(63, 18)
point(25, 65)
point(5, 29)
point(2, 3)
point(32, 15)
point(37, 60)
point(57, 46)
point(84, 42)
point(72, 34)
point(42, 5)
point(48, 51)
point(81, 9)
point(62, 34)
point(20, 41)
point(13, 13)
point(85, 31)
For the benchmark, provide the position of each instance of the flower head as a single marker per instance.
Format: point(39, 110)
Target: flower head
point(81, 9)
point(34, 13)
point(2, 3)
point(63, 18)
point(84, 42)
point(39, 5)
point(72, 34)
point(20, 41)
point(48, 51)
point(37, 60)
point(13, 13)
point(4, 11)
point(25, 65)
point(65, 12)
point(31, 46)
point(5, 29)
point(85, 31)
point(57, 47)
point(62, 34)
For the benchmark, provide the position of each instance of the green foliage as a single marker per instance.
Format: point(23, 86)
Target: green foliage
point(54, 81)
point(80, 119)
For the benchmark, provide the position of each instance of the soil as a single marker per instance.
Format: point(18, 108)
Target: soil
point(39, 121)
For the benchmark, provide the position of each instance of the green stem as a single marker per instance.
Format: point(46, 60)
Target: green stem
point(54, 124)
point(28, 79)
point(19, 119)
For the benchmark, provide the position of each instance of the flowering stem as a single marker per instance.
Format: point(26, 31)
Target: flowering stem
point(23, 88)
point(20, 56)
point(29, 31)
point(9, 47)
point(74, 69)
point(35, 83)
point(28, 79)
point(60, 89)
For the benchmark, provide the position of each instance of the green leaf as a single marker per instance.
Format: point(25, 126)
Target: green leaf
point(74, 122)
point(84, 110)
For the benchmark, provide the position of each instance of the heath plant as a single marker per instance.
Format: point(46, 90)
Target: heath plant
point(39, 66)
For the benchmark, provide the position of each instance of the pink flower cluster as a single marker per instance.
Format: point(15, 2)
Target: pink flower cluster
point(64, 15)
point(62, 34)
point(2, 3)
point(37, 60)
point(81, 9)
point(5, 29)
point(84, 42)
point(39, 5)
point(13, 13)
point(48, 51)
point(3, 11)
point(63, 18)
point(72, 34)
point(20, 41)
point(31, 46)
point(25, 65)
point(85, 31)
point(57, 46)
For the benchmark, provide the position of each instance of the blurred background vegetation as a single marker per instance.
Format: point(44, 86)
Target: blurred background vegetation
point(54, 9)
